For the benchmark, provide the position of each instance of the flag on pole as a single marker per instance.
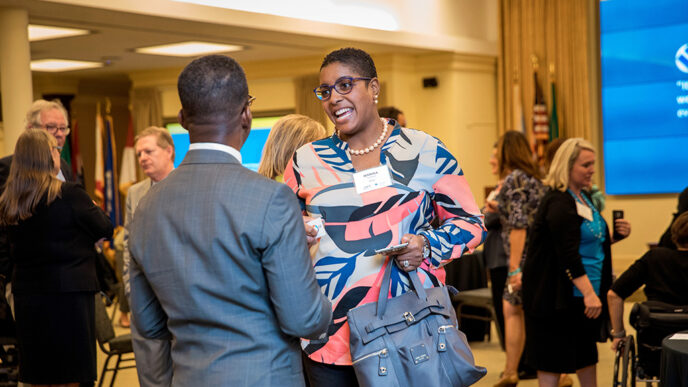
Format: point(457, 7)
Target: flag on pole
point(99, 166)
point(128, 169)
point(554, 120)
point(540, 120)
point(66, 152)
point(111, 192)
point(77, 161)
point(518, 121)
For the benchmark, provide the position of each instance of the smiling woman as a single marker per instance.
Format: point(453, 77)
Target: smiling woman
point(374, 184)
point(567, 267)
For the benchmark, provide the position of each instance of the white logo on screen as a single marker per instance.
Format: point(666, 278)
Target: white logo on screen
point(682, 58)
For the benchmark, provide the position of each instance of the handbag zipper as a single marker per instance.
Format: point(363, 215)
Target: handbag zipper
point(442, 338)
point(380, 352)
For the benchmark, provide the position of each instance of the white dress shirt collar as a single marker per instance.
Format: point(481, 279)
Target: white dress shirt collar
point(216, 146)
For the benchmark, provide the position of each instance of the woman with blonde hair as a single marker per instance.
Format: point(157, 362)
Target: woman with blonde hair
point(287, 135)
point(567, 267)
point(52, 227)
point(517, 202)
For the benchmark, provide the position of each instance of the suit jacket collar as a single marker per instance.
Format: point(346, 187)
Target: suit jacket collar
point(208, 156)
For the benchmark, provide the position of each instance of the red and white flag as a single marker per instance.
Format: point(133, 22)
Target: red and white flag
point(127, 175)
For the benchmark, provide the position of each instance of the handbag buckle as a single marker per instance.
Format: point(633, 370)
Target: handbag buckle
point(408, 316)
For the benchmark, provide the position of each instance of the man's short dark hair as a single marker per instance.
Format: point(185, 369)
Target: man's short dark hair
point(211, 85)
point(355, 58)
point(389, 112)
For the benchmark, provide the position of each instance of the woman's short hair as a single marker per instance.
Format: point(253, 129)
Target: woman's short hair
point(33, 117)
point(558, 175)
point(513, 152)
point(162, 136)
point(31, 178)
point(287, 135)
point(355, 58)
point(679, 231)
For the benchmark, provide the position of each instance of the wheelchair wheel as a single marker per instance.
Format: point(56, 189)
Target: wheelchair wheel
point(624, 363)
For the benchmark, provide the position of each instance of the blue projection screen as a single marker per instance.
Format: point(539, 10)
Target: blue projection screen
point(644, 56)
point(251, 152)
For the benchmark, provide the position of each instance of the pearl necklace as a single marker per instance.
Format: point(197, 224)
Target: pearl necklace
point(360, 152)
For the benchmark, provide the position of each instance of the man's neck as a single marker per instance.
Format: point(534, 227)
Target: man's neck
point(162, 176)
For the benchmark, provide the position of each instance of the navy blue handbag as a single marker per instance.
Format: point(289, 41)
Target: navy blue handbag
point(410, 340)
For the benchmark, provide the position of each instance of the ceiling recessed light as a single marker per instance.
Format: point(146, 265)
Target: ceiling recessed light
point(56, 65)
point(38, 32)
point(188, 49)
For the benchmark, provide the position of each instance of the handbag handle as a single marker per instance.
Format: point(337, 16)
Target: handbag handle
point(384, 287)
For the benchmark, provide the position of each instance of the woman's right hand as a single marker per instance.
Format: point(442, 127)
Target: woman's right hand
point(593, 305)
point(491, 206)
point(311, 232)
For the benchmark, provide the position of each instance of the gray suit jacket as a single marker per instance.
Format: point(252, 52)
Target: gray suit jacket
point(153, 358)
point(219, 260)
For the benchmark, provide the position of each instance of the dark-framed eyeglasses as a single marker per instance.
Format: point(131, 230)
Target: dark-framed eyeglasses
point(343, 85)
point(52, 129)
point(250, 100)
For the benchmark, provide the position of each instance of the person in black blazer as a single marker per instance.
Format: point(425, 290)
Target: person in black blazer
point(567, 267)
point(52, 228)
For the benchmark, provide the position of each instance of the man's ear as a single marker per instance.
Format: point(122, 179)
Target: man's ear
point(246, 120)
point(181, 119)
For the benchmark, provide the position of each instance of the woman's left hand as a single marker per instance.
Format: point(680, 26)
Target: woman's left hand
point(411, 257)
point(622, 227)
point(515, 282)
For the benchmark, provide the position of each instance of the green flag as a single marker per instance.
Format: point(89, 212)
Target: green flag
point(553, 121)
point(66, 153)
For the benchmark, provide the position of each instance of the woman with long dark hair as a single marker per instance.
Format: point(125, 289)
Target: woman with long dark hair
point(518, 200)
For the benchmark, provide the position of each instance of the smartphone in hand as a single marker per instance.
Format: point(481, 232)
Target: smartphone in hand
point(616, 214)
point(391, 249)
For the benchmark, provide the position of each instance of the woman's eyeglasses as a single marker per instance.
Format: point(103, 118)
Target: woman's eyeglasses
point(343, 85)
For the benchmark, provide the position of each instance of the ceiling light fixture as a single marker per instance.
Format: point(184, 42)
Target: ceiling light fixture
point(57, 65)
point(326, 11)
point(186, 49)
point(38, 32)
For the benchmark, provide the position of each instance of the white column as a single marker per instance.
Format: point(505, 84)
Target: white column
point(15, 74)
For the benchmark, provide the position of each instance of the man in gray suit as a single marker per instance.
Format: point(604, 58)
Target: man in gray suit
point(155, 154)
point(218, 253)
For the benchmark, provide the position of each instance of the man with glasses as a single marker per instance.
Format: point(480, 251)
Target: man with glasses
point(52, 117)
point(218, 253)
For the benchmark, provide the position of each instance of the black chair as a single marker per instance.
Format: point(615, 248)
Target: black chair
point(474, 300)
point(111, 345)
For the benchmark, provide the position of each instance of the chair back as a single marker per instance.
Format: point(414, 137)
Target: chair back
point(104, 330)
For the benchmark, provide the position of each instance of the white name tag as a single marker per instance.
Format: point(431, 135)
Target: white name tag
point(372, 178)
point(584, 211)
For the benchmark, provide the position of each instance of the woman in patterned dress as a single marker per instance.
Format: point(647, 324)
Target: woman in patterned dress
point(417, 180)
point(518, 200)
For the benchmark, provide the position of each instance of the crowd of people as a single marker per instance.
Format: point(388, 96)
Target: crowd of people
point(234, 278)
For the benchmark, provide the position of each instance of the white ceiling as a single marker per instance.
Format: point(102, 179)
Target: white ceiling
point(129, 24)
